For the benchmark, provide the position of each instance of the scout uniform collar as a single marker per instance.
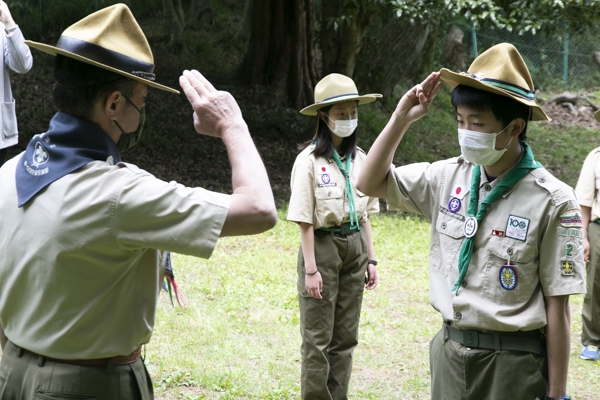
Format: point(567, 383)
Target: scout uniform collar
point(475, 216)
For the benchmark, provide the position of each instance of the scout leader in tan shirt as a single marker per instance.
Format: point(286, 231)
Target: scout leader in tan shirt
point(506, 237)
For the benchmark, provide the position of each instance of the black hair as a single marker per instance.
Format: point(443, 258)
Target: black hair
point(79, 85)
point(324, 144)
point(504, 108)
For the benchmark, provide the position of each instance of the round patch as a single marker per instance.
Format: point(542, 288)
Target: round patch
point(508, 277)
point(470, 227)
point(325, 178)
point(454, 205)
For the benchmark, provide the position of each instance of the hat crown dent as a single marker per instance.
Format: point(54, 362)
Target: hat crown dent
point(503, 62)
point(115, 29)
point(334, 85)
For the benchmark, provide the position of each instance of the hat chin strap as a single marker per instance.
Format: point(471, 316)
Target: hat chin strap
point(107, 57)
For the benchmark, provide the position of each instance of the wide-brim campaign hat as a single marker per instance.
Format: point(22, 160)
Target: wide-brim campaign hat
point(336, 88)
point(597, 115)
point(110, 39)
point(500, 70)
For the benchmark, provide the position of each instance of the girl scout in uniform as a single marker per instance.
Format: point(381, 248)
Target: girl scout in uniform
point(335, 233)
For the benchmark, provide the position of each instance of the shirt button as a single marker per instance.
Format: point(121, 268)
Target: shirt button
point(444, 225)
point(542, 180)
point(464, 283)
point(509, 251)
point(487, 188)
point(457, 315)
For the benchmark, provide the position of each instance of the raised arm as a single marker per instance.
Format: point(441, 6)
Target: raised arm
point(412, 106)
point(216, 113)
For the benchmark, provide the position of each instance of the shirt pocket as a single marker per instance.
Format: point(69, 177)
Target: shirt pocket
point(329, 202)
point(512, 285)
point(9, 120)
point(451, 236)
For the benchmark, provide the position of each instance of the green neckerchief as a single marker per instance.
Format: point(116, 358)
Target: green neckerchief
point(526, 164)
point(346, 171)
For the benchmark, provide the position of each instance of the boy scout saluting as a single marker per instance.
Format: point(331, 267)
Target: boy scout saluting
point(506, 236)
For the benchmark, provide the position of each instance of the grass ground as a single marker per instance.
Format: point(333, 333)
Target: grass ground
point(239, 338)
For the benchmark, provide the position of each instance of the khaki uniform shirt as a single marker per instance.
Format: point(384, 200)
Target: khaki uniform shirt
point(319, 191)
point(82, 261)
point(535, 226)
point(588, 184)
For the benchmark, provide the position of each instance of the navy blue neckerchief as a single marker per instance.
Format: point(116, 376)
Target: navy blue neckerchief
point(69, 143)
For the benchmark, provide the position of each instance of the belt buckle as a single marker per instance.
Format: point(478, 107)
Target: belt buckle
point(470, 339)
point(345, 229)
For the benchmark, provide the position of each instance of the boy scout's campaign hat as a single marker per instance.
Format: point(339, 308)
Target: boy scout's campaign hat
point(500, 70)
point(336, 88)
point(109, 39)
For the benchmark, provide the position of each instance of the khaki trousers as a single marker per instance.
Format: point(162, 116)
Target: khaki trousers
point(24, 376)
point(329, 327)
point(590, 334)
point(462, 373)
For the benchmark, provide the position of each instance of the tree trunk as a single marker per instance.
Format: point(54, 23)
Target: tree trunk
point(342, 42)
point(280, 51)
point(174, 15)
point(453, 55)
point(200, 14)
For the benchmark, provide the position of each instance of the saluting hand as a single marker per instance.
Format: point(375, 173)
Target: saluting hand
point(415, 103)
point(214, 111)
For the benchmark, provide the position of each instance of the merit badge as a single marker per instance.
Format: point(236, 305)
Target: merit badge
point(570, 219)
point(496, 232)
point(454, 205)
point(325, 178)
point(459, 191)
point(566, 268)
point(517, 227)
point(470, 227)
point(508, 277)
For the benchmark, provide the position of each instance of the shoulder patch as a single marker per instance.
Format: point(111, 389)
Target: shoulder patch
point(570, 218)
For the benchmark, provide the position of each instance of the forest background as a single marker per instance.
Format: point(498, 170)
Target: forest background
point(269, 54)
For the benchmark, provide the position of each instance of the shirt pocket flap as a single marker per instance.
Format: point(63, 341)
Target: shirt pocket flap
point(450, 226)
point(328, 193)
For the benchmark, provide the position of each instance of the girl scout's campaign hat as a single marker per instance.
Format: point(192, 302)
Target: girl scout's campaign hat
point(500, 70)
point(336, 88)
point(109, 39)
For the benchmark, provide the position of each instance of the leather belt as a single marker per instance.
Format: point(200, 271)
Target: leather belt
point(530, 341)
point(341, 230)
point(97, 362)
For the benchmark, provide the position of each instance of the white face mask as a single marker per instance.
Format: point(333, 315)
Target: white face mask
point(344, 127)
point(480, 148)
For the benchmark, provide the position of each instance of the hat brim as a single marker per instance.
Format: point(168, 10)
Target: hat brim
point(453, 79)
point(597, 115)
point(364, 99)
point(53, 50)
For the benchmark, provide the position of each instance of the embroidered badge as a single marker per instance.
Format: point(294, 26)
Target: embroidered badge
point(459, 191)
point(569, 232)
point(496, 232)
point(40, 156)
point(570, 219)
point(470, 227)
point(459, 217)
point(325, 178)
point(454, 205)
point(566, 268)
point(570, 250)
point(508, 277)
point(517, 227)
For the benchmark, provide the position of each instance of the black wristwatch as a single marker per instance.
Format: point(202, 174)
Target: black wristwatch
point(560, 398)
point(372, 262)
